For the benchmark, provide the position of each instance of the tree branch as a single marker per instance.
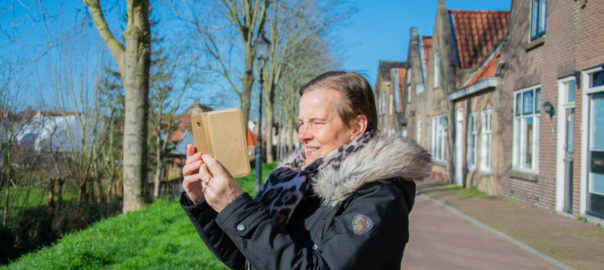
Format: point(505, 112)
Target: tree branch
point(115, 47)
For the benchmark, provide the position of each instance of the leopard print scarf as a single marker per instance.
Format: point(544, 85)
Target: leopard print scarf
point(290, 183)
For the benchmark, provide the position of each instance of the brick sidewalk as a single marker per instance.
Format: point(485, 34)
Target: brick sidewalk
point(576, 243)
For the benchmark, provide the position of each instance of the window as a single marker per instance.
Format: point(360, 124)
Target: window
point(538, 8)
point(526, 129)
point(391, 105)
point(472, 141)
point(486, 141)
point(596, 79)
point(439, 137)
point(396, 90)
point(437, 69)
point(383, 103)
point(419, 131)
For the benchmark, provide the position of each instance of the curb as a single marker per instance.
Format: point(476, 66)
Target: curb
point(525, 247)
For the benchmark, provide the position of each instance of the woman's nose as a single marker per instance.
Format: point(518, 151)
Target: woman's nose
point(304, 134)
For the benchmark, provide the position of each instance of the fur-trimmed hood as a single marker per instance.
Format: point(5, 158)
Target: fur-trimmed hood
point(382, 158)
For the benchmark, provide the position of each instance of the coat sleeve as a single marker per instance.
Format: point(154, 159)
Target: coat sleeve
point(203, 218)
point(380, 238)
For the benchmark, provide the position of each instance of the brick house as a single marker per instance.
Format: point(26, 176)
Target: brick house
point(465, 45)
point(553, 104)
point(475, 107)
point(389, 98)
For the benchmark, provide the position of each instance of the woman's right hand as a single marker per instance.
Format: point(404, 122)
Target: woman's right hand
point(192, 182)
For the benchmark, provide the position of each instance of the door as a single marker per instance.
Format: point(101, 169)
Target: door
point(595, 182)
point(459, 129)
point(568, 159)
point(565, 145)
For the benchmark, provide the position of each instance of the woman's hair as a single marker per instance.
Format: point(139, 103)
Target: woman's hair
point(356, 90)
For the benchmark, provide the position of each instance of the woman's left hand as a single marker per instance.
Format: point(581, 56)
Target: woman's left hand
point(219, 187)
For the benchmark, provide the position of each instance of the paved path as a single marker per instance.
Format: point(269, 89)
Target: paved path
point(441, 239)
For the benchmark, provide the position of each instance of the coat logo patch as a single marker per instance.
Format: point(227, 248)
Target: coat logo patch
point(361, 224)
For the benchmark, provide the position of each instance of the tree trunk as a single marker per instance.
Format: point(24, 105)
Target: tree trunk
point(279, 130)
point(6, 203)
point(98, 190)
point(59, 193)
point(291, 135)
point(158, 175)
point(158, 153)
point(133, 61)
point(270, 118)
point(247, 81)
point(51, 193)
point(269, 135)
point(135, 78)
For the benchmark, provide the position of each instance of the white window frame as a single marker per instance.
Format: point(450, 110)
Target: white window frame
point(486, 141)
point(520, 142)
point(439, 137)
point(437, 69)
point(472, 141)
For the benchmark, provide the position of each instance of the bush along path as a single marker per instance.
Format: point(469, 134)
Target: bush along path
point(157, 237)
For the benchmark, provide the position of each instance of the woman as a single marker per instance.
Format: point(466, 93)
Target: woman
point(341, 203)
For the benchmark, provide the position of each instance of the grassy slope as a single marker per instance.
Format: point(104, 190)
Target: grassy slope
point(157, 237)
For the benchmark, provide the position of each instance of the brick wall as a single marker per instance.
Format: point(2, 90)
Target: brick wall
point(573, 41)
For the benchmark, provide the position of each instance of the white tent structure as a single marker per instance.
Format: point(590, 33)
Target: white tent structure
point(61, 133)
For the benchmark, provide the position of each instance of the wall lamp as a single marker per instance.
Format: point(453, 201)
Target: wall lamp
point(549, 108)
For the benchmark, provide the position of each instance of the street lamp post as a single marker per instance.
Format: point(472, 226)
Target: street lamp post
point(262, 50)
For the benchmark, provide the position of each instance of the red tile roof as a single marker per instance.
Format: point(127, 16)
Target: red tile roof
point(176, 136)
point(252, 138)
point(477, 32)
point(426, 44)
point(487, 70)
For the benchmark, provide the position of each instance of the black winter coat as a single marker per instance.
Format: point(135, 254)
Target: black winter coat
point(358, 220)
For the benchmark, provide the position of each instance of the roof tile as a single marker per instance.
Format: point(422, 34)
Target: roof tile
point(477, 33)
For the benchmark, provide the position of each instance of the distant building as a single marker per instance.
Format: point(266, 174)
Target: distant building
point(389, 98)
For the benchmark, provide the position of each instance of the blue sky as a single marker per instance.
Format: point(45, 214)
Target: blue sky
point(380, 29)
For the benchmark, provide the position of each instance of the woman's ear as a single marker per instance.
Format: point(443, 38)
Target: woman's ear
point(359, 126)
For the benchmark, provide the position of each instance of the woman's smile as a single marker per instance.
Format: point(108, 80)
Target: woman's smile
point(321, 127)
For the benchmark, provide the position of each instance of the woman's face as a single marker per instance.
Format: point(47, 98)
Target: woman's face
point(321, 128)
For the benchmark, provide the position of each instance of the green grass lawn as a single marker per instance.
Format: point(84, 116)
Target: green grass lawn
point(157, 237)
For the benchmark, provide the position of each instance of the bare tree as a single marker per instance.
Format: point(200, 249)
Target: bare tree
point(294, 25)
point(133, 61)
point(166, 96)
point(223, 27)
point(111, 93)
point(312, 59)
point(9, 88)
